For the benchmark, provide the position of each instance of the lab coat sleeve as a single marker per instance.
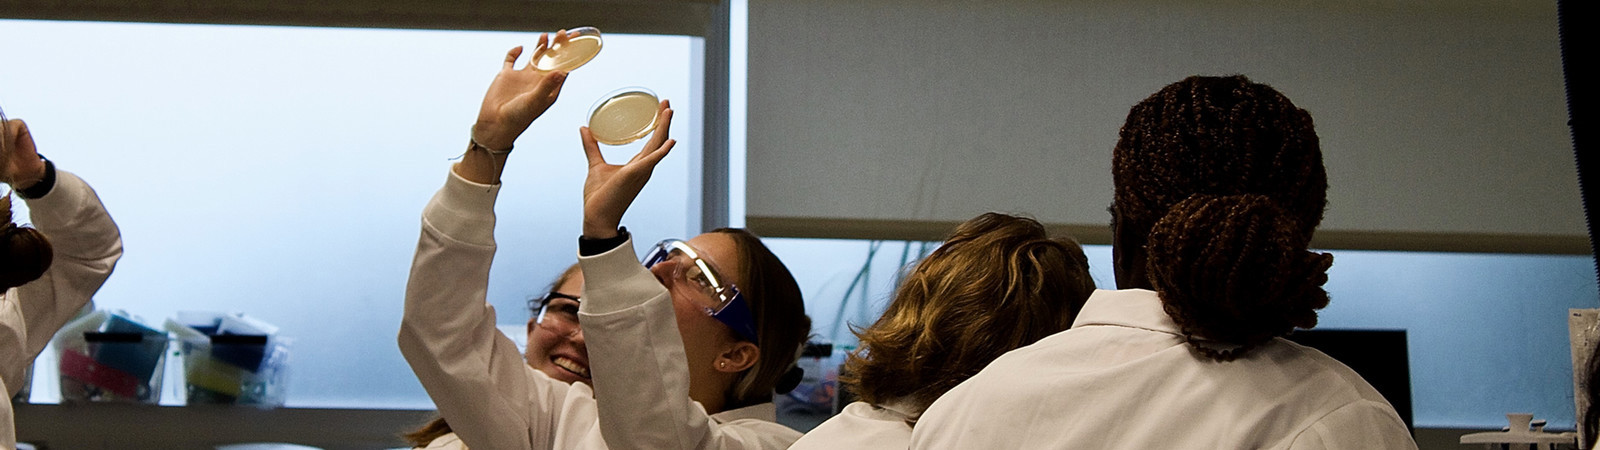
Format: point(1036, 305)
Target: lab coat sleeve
point(473, 373)
point(640, 373)
point(86, 244)
point(1359, 425)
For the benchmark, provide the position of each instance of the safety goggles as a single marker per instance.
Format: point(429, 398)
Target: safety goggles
point(556, 310)
point(715, 294)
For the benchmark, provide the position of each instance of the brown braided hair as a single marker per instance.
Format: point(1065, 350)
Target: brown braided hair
point(1220, 181)
point(25, 253)
point(998, 283)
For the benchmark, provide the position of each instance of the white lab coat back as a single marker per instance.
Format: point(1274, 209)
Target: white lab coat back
point(861, 425)
point(1124, 378)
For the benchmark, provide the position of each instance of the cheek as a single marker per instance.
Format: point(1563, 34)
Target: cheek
point(540, 341)
point(698, 329)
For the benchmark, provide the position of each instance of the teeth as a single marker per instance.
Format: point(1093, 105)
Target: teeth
point(571, 366)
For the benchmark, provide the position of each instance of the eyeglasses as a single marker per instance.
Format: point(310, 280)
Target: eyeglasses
point(719, 298)
point(557, 311)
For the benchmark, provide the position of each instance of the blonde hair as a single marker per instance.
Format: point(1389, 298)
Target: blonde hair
point(998, 283)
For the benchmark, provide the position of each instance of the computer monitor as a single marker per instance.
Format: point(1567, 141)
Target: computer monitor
point(1379, 356)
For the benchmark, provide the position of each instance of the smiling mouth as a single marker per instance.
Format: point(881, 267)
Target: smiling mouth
point(571, 366)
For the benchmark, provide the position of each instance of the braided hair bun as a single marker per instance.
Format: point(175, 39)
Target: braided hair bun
point(25, 253)
point(1235, 269)
point(1220, 184)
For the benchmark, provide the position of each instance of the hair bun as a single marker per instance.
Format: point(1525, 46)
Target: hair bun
point(789, 380)
point(1235, 269)
point(25, 253)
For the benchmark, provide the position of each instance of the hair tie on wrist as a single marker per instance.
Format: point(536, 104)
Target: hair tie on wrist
point(472, 139)
point(476, 145)
point(789, 380)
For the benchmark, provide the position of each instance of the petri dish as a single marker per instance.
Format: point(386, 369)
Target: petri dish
point(624, 116)
point(582, 45)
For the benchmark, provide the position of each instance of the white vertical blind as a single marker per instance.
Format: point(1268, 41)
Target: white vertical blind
point(1443, 124)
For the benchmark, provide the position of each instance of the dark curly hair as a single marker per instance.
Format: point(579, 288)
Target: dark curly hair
point(998, 283)
point(25, 253)
point(1219, 187)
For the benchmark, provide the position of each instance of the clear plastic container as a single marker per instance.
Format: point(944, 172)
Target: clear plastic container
point(231, 359)
point(110, 357)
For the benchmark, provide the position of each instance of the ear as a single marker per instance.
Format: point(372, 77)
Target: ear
point(742, 355)
point(532, 323)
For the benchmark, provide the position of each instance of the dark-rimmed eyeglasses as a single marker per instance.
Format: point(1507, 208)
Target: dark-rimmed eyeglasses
point(556, 310)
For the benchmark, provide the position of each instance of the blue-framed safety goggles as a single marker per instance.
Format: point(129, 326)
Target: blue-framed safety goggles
point(720, 298)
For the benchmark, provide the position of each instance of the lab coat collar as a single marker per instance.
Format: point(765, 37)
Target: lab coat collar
point(765, 411)
point(902, 406)
point(1134, 308)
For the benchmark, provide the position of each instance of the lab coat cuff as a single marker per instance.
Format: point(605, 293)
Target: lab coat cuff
point(62, 201)
point(615, 280)
point(464, 210)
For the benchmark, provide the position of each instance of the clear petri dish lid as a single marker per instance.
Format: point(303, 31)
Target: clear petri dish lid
point(624, 116)
point(582, 45)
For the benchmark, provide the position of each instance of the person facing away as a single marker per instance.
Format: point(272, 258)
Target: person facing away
point(685, 348)
point(1219, 185)
point(999, 282)
point(555, 348)
point(48, 273)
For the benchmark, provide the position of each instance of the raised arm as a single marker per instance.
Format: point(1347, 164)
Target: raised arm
point(85, 242)
point(515, 98)
point(475, 375)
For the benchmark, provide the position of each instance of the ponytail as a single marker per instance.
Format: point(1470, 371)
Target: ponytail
point(25, 253)
point(1235, 270)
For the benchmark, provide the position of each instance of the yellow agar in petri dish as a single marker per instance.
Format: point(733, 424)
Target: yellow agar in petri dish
point(581, 47)
point(624, 116)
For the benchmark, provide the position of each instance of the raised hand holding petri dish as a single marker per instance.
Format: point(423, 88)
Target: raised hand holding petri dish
point(580, 46)
point(624, 115)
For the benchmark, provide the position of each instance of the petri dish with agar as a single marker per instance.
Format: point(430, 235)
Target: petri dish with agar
point(583, 43)
point(624, 116)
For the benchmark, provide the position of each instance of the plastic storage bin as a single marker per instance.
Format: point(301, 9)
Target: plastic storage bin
point(110, 357)
point(231, 359)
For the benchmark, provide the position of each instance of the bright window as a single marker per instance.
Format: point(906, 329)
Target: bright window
point(281, 172)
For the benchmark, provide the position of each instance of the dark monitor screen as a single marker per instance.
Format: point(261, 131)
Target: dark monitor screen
point(1379, 356)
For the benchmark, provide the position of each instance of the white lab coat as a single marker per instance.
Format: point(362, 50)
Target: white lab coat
point(493, 400)
point(1123, 378)
point(861, 425)
point(87, 245)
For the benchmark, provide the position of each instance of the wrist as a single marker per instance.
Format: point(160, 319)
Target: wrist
point(38, 187)
point(488, 141)
point(593, 230)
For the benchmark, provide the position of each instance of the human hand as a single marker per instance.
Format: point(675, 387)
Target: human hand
point(20, 165)
point(609, 188)
point(517, 96)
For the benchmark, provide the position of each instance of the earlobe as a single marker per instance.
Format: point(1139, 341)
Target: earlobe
point(738, 358)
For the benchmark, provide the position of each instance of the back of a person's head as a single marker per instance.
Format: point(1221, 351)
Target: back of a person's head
point(1222, 178)
point(781, 322)
point(25, 253)
point(998, 283)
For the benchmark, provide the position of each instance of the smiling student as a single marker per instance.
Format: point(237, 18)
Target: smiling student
point(684, 353)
